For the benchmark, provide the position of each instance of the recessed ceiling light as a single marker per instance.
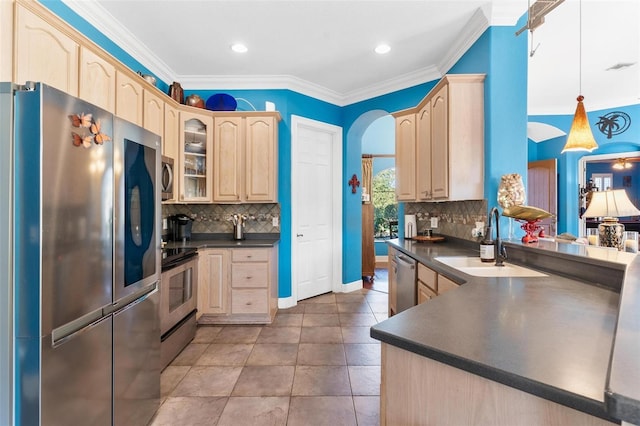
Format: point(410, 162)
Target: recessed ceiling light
point(381, 49)
point(239, 48)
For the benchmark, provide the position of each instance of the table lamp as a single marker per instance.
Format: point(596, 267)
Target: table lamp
point(611, 205)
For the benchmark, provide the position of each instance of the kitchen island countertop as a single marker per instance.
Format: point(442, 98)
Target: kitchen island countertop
point(549, 336)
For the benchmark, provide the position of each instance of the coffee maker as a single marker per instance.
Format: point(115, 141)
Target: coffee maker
point(180, 227)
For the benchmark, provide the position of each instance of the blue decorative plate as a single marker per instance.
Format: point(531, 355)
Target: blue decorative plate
point(221, 102)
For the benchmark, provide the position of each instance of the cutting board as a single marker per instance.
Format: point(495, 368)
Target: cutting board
point(425, 239)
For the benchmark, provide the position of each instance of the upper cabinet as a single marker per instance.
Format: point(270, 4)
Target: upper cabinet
point(261, 168)
point(195, 160)
point(44, 53)
point(97, 80)
point(406, 156)
point(245, 158)
point(129, 98)
point(229, 136)
point(153, 112)
point(446, 160)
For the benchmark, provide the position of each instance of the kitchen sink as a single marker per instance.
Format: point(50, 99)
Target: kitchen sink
point(474, 266)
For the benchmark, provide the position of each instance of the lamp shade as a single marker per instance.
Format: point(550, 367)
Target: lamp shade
point(614, 203)
point(580, 136)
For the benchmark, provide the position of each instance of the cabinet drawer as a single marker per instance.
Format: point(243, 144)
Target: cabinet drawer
point(428, 277)
point(425, 293)
point(249, 301)
point(249, 275)
point(249, 255)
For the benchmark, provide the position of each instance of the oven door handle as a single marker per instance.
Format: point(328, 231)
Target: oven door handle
point(188, 287)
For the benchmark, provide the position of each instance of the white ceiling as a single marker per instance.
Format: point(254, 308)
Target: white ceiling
point(325, 48)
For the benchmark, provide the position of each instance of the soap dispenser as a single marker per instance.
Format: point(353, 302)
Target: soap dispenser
point(487, 247)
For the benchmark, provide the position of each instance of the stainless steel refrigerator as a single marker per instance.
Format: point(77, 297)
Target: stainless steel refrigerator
point(85, 260)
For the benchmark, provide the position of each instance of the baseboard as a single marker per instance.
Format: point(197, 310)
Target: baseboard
point(353, 286)
point(286, 302)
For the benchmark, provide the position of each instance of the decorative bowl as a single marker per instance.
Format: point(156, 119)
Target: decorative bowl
point(221, 102)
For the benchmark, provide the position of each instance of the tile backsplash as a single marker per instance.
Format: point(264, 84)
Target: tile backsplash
point(455, 218)
point(213, 218)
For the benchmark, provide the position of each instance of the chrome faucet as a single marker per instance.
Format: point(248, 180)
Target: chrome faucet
point(500, 251)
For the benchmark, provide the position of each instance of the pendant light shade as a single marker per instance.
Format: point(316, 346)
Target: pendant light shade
point(580, 136)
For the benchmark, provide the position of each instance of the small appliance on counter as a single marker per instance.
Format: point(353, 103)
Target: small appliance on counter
point(410, 227)
point(180, 227)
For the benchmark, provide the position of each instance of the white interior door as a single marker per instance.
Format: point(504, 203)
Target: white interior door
point(316, 157)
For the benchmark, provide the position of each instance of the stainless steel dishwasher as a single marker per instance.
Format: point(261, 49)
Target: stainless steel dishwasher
point(406, 282)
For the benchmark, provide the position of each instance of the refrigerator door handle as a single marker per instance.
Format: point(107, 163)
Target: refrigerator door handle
point(63, 334)
point(126, 302)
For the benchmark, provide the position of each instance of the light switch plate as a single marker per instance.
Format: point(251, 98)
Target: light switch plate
point(274, 221)
point(165, 225)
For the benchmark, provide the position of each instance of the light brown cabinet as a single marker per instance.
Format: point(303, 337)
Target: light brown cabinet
point(446, 160)
point(97, 79)
point(427, 285)
point(44, 52)
point(239, 286)
point(195, 158)
point(129, 98)
point(406, 156)
point(425, 293)
point(153, 112)
point(170, 144)
point(445, 284)
point(423, 154)
point(212, 281)
point(245, 159)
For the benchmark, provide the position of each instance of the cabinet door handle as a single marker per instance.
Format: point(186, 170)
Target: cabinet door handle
point(299, 235)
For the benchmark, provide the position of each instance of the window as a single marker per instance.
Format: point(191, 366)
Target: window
point(602, 181)
point(385, 206)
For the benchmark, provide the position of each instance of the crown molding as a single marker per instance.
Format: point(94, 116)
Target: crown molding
point(392, 85)
point(260, 82)
point(104, 22)
point(476, 26)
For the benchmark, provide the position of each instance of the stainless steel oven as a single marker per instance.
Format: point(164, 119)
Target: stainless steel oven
point(178, 301)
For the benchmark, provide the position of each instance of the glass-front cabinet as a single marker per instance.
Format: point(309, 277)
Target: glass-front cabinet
point(196, 152)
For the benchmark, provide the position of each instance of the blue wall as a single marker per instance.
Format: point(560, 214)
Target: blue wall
point(568, 173)
point(497, 53)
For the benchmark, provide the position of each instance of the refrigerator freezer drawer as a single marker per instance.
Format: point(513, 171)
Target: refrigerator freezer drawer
point(76, 378)
point(136, 361)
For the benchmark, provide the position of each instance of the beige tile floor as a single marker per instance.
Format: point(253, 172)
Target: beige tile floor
point(314, 365)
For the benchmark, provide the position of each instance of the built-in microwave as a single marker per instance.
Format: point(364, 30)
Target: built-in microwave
point(166, 180)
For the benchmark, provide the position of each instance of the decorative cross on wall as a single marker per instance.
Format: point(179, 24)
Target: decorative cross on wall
point(354, 182)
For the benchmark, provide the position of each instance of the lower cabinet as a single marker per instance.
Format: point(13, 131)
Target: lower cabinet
point(237, 286)
point(427, 284)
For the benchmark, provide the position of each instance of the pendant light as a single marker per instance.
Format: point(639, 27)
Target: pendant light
point(580, 136)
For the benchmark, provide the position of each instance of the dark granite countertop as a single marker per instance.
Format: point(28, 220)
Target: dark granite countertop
point(549, 336)
point(251, 240)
